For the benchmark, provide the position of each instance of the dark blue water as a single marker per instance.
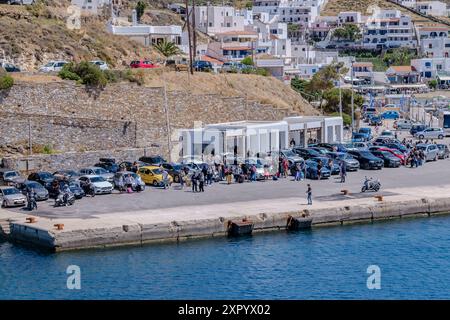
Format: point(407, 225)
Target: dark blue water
point(413, 255)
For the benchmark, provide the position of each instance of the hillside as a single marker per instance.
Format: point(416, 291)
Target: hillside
point(32, 35)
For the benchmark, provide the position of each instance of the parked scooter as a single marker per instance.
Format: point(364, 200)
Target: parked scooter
point(65, 198)
point(371, 185)
point(31, 200)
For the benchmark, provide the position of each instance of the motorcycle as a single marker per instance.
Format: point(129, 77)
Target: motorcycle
point(371, 185)
point(65, 198)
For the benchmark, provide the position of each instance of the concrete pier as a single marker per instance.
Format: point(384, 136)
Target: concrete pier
point(183, 223)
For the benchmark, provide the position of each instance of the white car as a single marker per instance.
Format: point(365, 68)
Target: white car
point(101, 64)
point(21, 2)
point(53, 66)
point(430, 133)
point(100, 184)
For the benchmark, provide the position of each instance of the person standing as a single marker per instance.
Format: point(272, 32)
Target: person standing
point(319, 169)
point(194, 182)
point(201, 181)
point(343, 171)
point(309, 194)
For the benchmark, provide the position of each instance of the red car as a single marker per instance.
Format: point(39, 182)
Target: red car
point(142, 64)
point(395, 153)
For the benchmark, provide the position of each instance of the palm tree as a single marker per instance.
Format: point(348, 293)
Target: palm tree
point(167, 48)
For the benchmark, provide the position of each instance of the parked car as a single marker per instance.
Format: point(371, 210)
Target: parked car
point(396, 153)
point(11, 197)
point(9, 67)
point(312, 170)
point(389, 159)
point(366, 159)
point(101, 64)
point(444, 152)
point(332, 147)
point(177, 64)
point(375, 121)
point(359, 137)
point(387, 134)
point(137, 182)
point(306, 153)
point(41, 192)
point(98, 171)
point(367, 132)
point(351, 163)
point(390, 115)
point(391, 144)
point(67, 174)
point(75, 188)
point(174, 169)
point(53, 66)
point(403, 124)
point(10, 177)
point(334, 169)
point(153, 160)
point(20, 2)
point(128, 165)
point(152, 175)
point(201, 65)
point(431, 151)
point(101, 185)
point(416, 128)
point(430, 133)
point(142, 64)
point(289, 155)
point(43, 177)
point(108, 166)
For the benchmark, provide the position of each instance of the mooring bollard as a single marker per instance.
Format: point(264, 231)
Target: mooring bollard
point(59, 226)
point(31, 219)
point(379, 198)
point(345, 192)
point(299, 223)
point(240, 228)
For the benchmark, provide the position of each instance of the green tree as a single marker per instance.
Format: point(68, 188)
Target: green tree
point(398, 56)
point(6, 81)
point(332, 100)
point(349, 32)
point(167, 48)
point(84, 72)
point(248, 61)
point(140, 8)
point(433, 84)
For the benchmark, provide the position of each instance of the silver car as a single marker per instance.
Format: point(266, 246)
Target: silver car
point(430, 133)
point(39, 190)
point(431, 151)
point(98, 171)
point(10, 177)
point(11, 197)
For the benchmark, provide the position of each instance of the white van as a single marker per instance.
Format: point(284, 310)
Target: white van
point(53, 66)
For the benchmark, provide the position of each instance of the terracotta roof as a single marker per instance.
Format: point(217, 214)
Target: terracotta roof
point(273, 37)
point(212, 60)
point(402, 68)
point(236, 48)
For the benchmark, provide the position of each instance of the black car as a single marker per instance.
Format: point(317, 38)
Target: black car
point(9, 67)
point(43, 177)
point(174, 169)
point(307, 153)
point(128, 165)
point(108, 166)
point(68, 174)
point(153, 160)
point(366, 159)
point(201, 65)
point(389, 159)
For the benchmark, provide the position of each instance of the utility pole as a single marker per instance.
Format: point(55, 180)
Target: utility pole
point(194, 35)
point(30, 142)
point(353, 111)
point(191, 61)
point(166, 110)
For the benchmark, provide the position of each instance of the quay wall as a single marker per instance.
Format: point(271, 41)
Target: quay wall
point(105, 233)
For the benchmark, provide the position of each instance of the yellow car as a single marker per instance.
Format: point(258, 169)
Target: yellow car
point(153, 175)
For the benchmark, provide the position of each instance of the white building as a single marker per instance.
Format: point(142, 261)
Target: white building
point(220, 19)
point(90, 6)
point(148, 35)
point(432, 8)
point(350, 17)
point(389, 29)
point(408, 3)
point(305, 130)
point(302, 12)
point(429, 68)
point(272, 38)
point(434, 41)
point(233, 45)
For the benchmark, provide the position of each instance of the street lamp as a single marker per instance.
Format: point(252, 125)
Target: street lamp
point(353, 113)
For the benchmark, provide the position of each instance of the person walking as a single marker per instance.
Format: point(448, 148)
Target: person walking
point(121, 183)
point(201, 181)
point(165, 176)
point(229, 174)
point(285, 167)
point(319, 169)
point(343, 171)
point(298, 172)
point(309, 194)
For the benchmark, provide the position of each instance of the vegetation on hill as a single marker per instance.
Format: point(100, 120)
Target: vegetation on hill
point(6, 81)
